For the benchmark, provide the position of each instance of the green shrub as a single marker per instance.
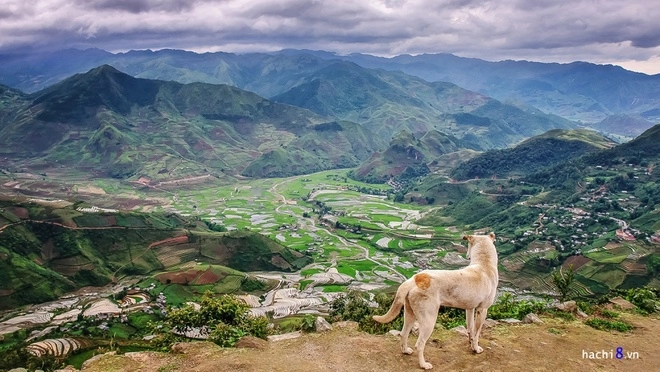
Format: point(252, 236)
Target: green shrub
point(225, 335)
point(451, 317)
point(507, 307)
point(563, 281)
point(353, 306)
point(308, 323)
point(569, 317)
point(609, 314)
point(226, 316)
point(608, 325)
point(586, 307)
point(645, 299)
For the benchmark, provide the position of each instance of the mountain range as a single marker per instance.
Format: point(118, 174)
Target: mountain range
point(577, 91)
point(124, 126)
point(337, 117)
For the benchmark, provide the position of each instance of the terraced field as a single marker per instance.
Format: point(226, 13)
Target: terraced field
point(56, 347)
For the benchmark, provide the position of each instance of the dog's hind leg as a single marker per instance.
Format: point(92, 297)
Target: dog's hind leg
point(426, 325)
point(469, 324)
point(478, 324)
point(408, 323)
point(427, 314)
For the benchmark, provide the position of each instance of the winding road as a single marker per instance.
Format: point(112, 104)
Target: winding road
point(344, 241)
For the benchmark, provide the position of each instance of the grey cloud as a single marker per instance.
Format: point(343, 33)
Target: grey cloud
point(4, 13)
point(140, 6)
point(534, 30)
point(647, 41)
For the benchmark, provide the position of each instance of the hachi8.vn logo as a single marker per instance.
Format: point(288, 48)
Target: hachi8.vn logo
point(610, 354)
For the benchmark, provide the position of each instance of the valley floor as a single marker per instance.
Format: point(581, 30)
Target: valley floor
point(555, 345)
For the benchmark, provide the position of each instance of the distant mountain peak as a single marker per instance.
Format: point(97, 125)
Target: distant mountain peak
point(103, 86)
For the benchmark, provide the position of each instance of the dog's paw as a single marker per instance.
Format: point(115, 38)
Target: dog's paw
point(426, 365)
point(408, 350)
point(478, 350)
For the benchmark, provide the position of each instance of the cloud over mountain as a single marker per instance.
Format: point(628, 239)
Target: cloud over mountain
point(601, 31)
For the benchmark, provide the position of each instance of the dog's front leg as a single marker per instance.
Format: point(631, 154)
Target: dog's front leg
point(480, 317)
point(469, 324)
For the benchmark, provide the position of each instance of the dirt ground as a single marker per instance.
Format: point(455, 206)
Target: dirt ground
point(555, 345)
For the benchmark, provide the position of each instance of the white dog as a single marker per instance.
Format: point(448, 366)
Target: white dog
point(472, 288)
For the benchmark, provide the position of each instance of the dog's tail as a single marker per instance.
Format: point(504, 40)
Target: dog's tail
point(397, 304)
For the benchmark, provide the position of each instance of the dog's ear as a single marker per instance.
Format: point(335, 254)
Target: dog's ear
point(468, 238)
point(492, 236)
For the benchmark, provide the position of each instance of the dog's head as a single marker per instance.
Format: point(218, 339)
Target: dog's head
point(475, 239)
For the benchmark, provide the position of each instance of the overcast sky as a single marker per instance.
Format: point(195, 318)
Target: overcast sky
point(620, 32)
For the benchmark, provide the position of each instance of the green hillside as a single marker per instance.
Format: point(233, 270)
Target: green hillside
point(598, 211)
point(627, 126)
point(125, 127)
point(389, 102)
point(329, 145)
point(550, 148)
point(47, 251)
point(406, 157)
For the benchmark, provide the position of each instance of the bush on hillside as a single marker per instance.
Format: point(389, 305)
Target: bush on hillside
point(507, 307)
point(645, 299)
point(608, 325)
point(354, 306)
point(563, 281)
point(226, 317)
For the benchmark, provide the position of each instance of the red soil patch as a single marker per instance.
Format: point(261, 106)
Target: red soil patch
point(201, 145)
point(175, 240)
point(129, 203)
point(576, 261)
point(181, 277)
point(70, 270)
point(208, 277)
point(632, 267)
point(111, 220)
point(280, 262)
point(19, 212)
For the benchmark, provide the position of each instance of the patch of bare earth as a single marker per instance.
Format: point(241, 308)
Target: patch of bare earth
point(180, 277)
point(576, 261)
point(19, 212)
point(208, 277)
point(280, 262)
point(552, 346)
point(89, 189)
